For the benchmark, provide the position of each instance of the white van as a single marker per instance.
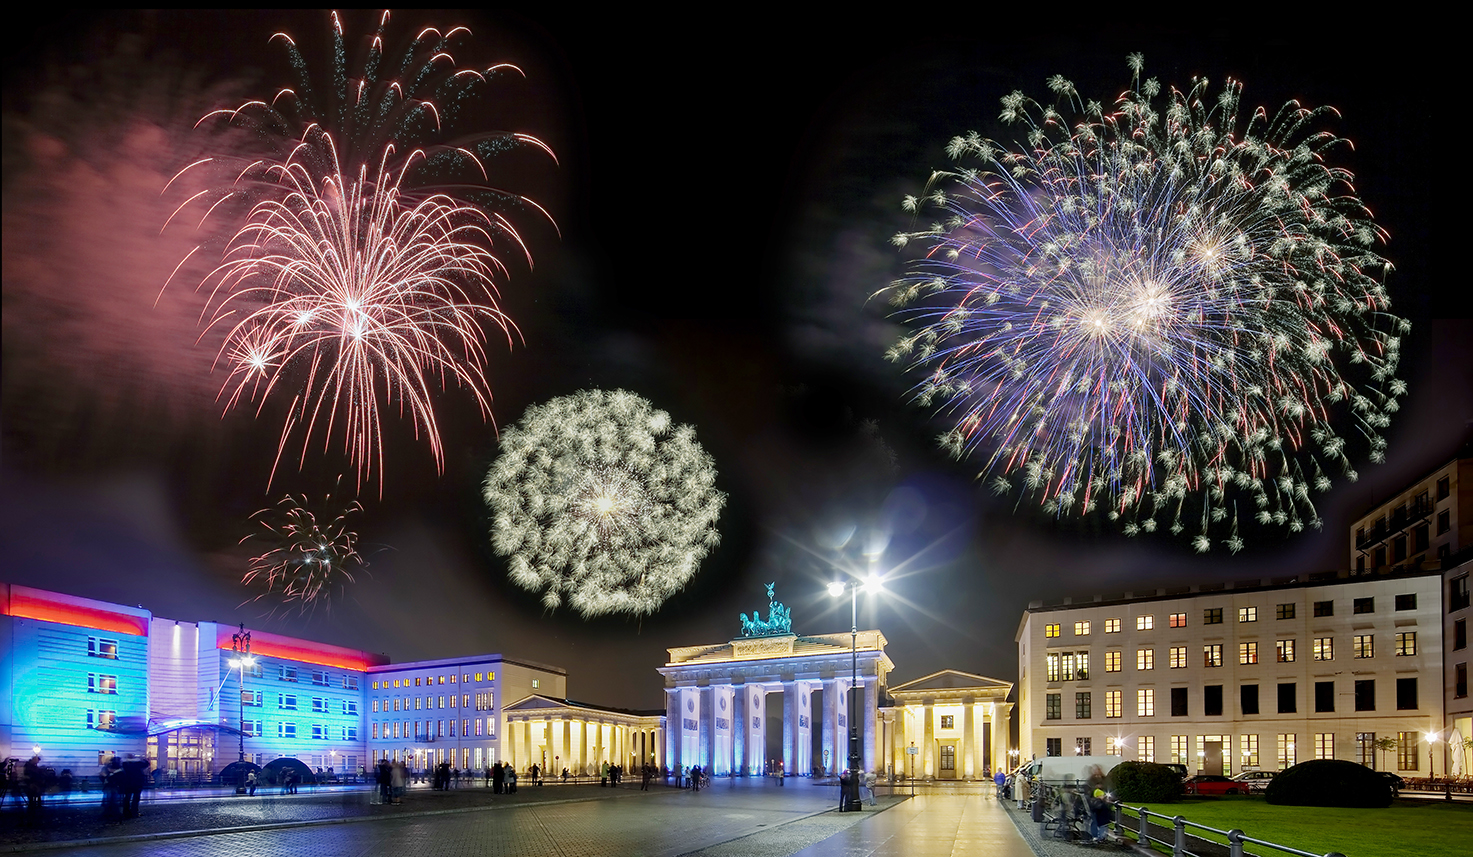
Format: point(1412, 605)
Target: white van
point(1061, 770)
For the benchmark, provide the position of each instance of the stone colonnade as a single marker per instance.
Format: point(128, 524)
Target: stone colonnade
point(956, 722)
point(718, 701)
point(554, 735)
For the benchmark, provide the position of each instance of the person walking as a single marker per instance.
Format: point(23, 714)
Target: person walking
point(251, 783)
point(398, 779)
point(844, 790)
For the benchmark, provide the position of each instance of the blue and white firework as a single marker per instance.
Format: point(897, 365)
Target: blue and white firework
point(1164, 306)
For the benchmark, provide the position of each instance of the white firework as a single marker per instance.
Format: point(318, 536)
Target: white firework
point(601, 502)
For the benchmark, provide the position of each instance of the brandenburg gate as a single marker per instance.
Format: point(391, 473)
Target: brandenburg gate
point(716, 707)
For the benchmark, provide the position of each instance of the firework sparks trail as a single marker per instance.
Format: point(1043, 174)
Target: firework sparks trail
point(598, 500)
point(1150, 309)
point(307, 557)
point(354, 284)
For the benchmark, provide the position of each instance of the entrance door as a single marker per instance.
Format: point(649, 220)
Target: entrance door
point(947, 770)
point(1212, 757)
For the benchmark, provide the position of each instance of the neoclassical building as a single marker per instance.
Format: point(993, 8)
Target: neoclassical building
point(557, 733)
point(717, 707)
point(955, 723)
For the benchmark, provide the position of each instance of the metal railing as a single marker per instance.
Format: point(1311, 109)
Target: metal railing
point(1236, 839)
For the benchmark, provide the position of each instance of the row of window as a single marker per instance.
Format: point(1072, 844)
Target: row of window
point(314, 731)
point(1213, 615)
point(1366, 748)
point(288, 702)
point(421, 681)
point(1363, 692)
point(420, 730)
point(321, 678)
point(1074, 666)
point(483, 702)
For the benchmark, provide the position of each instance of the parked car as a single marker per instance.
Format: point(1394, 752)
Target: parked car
point(1214, 784)
point(1181, 770)
point(1396, 783)
point(1256, 781)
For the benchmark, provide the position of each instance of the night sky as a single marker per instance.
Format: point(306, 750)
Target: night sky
point(725, 195)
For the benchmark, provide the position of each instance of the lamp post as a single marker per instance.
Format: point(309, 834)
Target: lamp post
point(1431, 739)
point(240, 658)
point(836, 589)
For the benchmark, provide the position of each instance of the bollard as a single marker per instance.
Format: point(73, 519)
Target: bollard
point(1145, 831)
point(1235, 843)
point(1179, 848)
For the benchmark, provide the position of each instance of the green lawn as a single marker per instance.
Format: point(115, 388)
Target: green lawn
point(1423, 828)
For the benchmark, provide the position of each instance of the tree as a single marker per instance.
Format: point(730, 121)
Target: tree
point(1385, 745)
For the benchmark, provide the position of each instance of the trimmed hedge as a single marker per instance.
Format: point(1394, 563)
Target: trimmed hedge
point(1145, 782)
point(1329, 782)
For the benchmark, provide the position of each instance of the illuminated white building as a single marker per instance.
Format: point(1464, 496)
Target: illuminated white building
point(1253, 674)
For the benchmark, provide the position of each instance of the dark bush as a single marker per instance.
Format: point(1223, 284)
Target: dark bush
point(1329, 782)
point(1145, 782)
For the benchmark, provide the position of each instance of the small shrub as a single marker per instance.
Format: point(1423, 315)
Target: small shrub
point(1145, 782)
point(1329, 782)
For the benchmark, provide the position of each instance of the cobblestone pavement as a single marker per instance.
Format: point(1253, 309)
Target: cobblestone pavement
point(938, 822)
point(741, 817)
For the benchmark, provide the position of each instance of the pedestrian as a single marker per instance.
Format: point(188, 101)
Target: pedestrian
point(511, 780)
point(644, 778)
point(385, 779)
point(869, 785)
point(535, 772)
point(398, 780)
point(251, 783)
point(565, 776)
point(844, 790)
point(498, 771)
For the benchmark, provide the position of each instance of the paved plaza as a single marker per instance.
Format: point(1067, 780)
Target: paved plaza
point(737, 818)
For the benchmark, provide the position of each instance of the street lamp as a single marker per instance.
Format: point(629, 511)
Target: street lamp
point(871, 584)
point(1431, 739)
point(240, 658)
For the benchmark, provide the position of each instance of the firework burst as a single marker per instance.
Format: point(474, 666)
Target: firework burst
point(306, 555)
point(1160, 307)
point(599, 501)
point(366, 271)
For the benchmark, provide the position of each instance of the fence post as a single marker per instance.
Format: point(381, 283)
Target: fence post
point(1235, 843)
point(1179, 847)
point(1145, 835)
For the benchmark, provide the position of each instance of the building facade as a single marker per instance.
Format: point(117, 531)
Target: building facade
point(949, 725)
point(83, 680)
point(1256, 674)
point(1420, 525)
point(557, 735)
point(451, 710)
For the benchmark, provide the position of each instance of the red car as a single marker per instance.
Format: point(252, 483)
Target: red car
point(1213, 784)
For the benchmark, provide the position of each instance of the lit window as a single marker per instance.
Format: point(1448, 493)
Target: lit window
point(1248, 653)
point(321, 678)
point(1287, 756)
point(1406, 643)
point(480, 676)
point(286, 673)
point(1112, 626)
point(948, 721)
point(1407, 756)
point(375, 685)
point(1145, 623)
point(1112, 746)
point(1212, 655)
point(1081, 629)
point(1112, 662)
point(536, 683)
point(1324, 745)
point(100, 648)
point(1053, 666)
point(350, 682)
point(1145, 659)
point(1364, 646)
point(102, 720)
point(1145, 702)
point(1178, 620)
point(97, 683)
point(1285, 651)
point(1179, 750)
point(1178, 657)
point(1146, 748)
point(1324, 648)
point(1247, 614)
point(1113, 703)
point(1248, 745)
point(1051, 630)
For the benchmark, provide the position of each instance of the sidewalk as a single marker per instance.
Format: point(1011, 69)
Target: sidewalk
point(929, 825)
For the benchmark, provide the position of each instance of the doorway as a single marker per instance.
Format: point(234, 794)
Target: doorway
point(946, 769)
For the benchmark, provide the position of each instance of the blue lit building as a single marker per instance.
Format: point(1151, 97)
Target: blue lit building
point(82, 681)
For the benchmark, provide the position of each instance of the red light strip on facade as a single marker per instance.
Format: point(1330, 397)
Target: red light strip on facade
point(305, 651)
point(26, 606)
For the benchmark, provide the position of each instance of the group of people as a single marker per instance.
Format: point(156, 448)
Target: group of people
point(392, 778)
point(122, 786)
point(502, 778)
point(866, 784)
point(692, 777)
